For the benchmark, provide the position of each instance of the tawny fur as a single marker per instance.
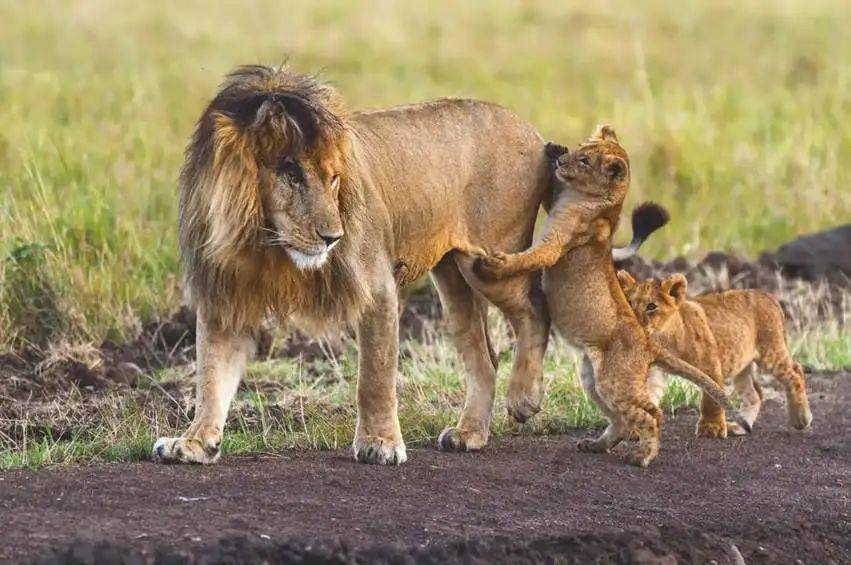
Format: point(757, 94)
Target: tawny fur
point(585, 301)
point(725, 334)
point(292, 207)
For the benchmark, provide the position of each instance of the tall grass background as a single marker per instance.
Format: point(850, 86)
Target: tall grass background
point(735, 114)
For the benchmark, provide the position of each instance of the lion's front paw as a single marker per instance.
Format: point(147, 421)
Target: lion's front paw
point(379, 451)
point(492, 266)
point(713, 428)
point(456, 439)
point(185, 450)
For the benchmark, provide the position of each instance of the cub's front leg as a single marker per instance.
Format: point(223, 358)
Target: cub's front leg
point(378, 437)
point(222, 356)
point(558, 240)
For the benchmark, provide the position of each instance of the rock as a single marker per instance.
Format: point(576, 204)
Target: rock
point(817, 255)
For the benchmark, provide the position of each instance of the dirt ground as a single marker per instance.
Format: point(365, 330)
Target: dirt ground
point(773, 497)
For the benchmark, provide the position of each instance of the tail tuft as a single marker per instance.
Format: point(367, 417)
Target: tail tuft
point(647, 218)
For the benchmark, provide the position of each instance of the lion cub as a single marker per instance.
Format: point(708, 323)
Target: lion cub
point(586, 302)
point(723, 334)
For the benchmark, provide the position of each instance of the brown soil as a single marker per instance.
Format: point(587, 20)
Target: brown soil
point(774, 497)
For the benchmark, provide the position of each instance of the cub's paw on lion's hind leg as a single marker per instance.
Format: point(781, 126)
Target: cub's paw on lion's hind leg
point(492, 266)
point(186, 450)
point(379, 451)
point(458, 440)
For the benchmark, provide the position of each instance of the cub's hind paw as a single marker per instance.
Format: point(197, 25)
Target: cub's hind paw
point(589, 445)
point(712, 429)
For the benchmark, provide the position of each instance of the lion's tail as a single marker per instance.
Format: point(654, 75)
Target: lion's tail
point(673, 364)
point(647, 217)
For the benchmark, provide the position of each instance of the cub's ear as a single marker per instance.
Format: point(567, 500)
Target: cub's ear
point(616, 168)
point(675, 286)
point(604, 133)
point(626, 280)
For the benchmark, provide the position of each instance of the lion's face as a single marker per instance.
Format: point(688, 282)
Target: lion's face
point(301, 207)
point(599, 167)
point(654, 302)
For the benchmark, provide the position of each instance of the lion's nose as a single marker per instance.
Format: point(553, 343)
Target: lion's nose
point(329, 239)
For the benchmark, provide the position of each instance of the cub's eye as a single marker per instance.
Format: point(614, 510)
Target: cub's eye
point(651, 308)
point(335, 183)
point(290, 169)
point(584, 160)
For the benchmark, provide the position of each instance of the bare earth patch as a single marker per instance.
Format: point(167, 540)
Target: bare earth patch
point(773, 497)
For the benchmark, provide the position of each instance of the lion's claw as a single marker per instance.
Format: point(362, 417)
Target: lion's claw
point(379, 451)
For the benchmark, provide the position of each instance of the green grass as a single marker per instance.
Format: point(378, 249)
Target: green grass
point(735, 116)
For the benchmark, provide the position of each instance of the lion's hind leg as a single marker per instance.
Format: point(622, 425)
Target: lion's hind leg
point(523, 303)
point(466, 313)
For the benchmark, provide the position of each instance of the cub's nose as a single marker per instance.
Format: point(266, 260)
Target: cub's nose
point(329, 239)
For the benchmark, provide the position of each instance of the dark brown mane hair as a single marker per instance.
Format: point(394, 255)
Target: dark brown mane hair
point(259, 114)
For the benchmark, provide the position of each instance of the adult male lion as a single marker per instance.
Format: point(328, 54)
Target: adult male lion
point(290, 206)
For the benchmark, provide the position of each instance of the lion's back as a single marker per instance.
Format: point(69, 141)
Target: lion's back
point(472, 168)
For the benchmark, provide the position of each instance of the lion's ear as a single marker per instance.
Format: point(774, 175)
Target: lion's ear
point(675, 286)
point(626, 280)
point(604, 133)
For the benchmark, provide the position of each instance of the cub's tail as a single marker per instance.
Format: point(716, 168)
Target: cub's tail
point(646, 218)
point(673, 364)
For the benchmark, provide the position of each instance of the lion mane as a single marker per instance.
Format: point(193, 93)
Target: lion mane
point(258, 114)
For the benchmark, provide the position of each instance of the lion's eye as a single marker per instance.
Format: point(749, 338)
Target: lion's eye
point(584, 161)
point(651, 307)
point(290, 169)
